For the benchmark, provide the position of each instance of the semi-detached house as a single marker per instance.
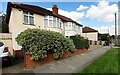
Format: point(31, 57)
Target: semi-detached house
point(90, 34)
point(22, 16)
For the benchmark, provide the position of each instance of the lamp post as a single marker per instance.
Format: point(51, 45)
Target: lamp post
point(115, 30)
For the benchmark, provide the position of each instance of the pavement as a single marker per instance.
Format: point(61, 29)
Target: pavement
point(71, 64)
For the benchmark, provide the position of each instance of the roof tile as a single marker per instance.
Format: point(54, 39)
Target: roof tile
point(88, 30)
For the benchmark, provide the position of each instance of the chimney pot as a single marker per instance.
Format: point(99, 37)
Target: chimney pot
point(55, 9)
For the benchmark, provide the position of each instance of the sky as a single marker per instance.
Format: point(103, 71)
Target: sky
point(97, 15)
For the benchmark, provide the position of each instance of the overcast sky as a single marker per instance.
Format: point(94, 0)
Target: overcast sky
point(98, 15)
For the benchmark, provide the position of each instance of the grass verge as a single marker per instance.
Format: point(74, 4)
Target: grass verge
point(107, 63)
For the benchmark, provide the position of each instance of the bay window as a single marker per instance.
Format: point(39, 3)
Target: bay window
point(50, 21)
point(69, 26)
point(74, 26)
point(45, 22)
point(58, 23)
point(66, 26)
point(54, 22)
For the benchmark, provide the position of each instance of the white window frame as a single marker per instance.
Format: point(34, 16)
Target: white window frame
point(54, 20)
point(57, 20)
point(69, 26)
point(28, 15)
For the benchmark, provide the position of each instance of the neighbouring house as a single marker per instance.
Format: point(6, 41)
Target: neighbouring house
point(22, 16)
point(90, 34)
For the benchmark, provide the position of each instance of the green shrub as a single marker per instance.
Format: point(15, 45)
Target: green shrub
point(80, 42)
point(86, 43)
point(40, 43)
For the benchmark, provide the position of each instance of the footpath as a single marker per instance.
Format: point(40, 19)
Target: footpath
point(71, 64)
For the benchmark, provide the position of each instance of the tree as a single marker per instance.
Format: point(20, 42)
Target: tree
point(3, 24)
point(104, 37)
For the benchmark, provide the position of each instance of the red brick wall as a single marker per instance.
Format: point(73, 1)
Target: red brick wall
point(68, 54)
point(18, 53)
point(31, 63)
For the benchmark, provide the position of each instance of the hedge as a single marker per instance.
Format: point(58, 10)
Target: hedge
point(86, 43)
point(80, 42)
point(40, 43)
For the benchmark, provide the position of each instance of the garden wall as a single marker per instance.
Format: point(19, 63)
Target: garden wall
point(96, 42)
point(18, 53)
point(32, 63)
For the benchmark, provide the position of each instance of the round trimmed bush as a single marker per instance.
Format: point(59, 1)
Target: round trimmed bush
point(40, 43)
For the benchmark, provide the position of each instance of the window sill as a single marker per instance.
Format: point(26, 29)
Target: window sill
point(53, 27)
point(69, 30)
point(29, 24)
point(56, 27)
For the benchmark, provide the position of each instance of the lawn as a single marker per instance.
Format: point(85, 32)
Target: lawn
point(107, 63)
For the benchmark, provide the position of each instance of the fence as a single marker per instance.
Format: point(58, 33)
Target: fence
point(96, 42)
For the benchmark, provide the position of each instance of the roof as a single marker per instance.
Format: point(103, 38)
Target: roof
point(37, 10)
point(65, 19)
point(88, 30)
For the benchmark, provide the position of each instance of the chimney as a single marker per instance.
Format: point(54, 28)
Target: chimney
point(55, 9)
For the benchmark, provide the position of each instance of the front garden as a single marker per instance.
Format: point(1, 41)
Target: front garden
point(41, 46)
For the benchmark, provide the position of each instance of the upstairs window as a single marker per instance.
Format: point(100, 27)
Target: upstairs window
point(50, 21)
point(54, 22)
point(28, 18)
point(58, 23)
point(74, 26)
point(68, 26)
point(46, 21)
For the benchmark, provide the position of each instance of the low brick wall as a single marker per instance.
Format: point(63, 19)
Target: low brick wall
point(18, 53)
point(79, 51)
point(32, 63)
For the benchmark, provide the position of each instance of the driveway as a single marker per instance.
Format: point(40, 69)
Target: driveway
point(18, 66)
